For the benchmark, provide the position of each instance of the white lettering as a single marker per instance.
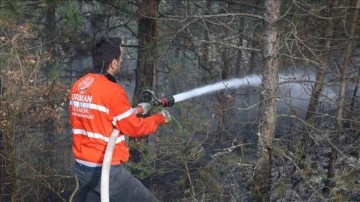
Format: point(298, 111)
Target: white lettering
point(86, 116)
point(80, 109)
point(81, 98)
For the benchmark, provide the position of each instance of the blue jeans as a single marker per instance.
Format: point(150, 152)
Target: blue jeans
point(122, 185)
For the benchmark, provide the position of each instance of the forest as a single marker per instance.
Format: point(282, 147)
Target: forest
point(289, 132)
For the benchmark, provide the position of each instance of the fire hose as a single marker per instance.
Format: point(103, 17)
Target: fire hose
point(145, 96)
point(149, 97)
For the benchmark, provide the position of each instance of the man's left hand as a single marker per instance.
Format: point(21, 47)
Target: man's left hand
point(145, 107)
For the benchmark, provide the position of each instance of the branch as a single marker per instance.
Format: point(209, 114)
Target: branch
point(232, 46)
point(241, 4)
point(213, 16)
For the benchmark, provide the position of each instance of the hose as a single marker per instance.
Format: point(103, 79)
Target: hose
point(105, 171)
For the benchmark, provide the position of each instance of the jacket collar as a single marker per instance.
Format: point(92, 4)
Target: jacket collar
point(105, 73)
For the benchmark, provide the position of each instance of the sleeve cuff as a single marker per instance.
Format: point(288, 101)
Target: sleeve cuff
point(159, 118)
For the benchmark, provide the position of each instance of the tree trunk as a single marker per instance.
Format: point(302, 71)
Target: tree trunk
point(330, 183)
point(204, 47)
point(316, 90)
point(8, 164)
point(223, 100)
point(354, 96)
point(50, 35)
point(49, 143)
point(266, 130)
point(2, 150)
point(147, 55)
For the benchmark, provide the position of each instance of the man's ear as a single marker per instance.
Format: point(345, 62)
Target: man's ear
point(113, 63)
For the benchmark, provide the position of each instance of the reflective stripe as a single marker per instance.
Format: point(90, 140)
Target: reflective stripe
point(89, 106)
point(92, 164)
point(123, 115)
point(97, 135)
point(88, 163)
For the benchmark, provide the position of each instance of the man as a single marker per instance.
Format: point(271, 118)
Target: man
point(97, 105)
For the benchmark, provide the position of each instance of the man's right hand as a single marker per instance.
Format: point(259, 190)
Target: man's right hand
point(166, 115)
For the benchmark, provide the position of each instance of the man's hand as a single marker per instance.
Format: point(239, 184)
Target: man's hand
point(145, 107)
point(166, 115)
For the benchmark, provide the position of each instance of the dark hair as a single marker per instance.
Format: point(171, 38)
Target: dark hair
point(105, 51)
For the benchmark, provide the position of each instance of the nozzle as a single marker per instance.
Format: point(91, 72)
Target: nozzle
point(148, 96)
point(167, 102)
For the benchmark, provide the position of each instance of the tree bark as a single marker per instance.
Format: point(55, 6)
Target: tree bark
point(266, 130)
point(50, 35)
point(49, 143)
point(147, 55)
point(147, 38)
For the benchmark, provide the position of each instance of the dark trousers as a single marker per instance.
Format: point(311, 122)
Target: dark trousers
point(122, 185)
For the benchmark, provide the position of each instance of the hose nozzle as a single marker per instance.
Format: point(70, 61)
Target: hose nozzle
point(167, 102)
point(148, 96)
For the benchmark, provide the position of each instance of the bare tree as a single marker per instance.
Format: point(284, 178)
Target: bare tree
point(341, 102)
point(262, 172)
point(50, 66)
point(318, 86)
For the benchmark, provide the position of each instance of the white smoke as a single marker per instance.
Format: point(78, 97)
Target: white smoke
point(295, 91)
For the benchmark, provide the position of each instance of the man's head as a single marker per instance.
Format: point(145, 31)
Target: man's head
point(106, 55)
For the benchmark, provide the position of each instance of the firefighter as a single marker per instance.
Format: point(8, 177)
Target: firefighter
point(97, 105)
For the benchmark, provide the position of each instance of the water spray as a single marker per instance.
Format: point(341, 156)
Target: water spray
point(148, 95)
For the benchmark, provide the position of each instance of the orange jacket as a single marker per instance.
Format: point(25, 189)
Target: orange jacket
point(97, 105)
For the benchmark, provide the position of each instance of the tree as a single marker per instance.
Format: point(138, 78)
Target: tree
point(147, 14)
point(30, 107)
point(262, 172)
point(50, 70)
point(317, 88)
point(341, 105)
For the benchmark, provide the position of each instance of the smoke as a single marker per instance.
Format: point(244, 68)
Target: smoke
point(294, 90)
